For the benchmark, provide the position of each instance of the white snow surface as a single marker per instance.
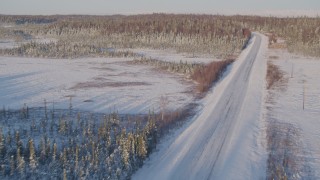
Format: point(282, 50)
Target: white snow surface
point(11, 43)
point(8, 43)
point(95, 84)
point(44, 40)
point(223, 140)
point(288, 106)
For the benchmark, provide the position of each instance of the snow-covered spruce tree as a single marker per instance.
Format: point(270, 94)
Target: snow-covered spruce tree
point(12, 166)
point(64, 177)
point(63, 159)
point(141, 147)
point(32, 157)
point(76, 158)
point(17, 137)
point(151, 132)
point(3, 148)
point(62, 126)
point(43, 155)
point(54, 151)
point(132, 151)
point(9, 139)
point(124, 148)
point(20, 163)
point(48, 150)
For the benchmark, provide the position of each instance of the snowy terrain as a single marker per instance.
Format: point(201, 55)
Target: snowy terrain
point(8, 43)
point(222, 141)
point(173, 56)
point(99, 85)
point(303, 77)
point(226, 139)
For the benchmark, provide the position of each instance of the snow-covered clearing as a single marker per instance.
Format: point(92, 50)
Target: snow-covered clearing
point(95, 84)
point(173, 56)
point(222, 141)
point(286, 107)
point(8, 43)
point(11, 43)
point(6, 25)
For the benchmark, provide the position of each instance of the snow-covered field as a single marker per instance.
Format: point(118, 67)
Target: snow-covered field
point(173, 56)
point(8, 43)
point(303, 82)
point(95, 84)
point(11, 43)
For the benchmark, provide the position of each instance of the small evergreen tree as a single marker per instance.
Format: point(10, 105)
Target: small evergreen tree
point(141, 147)
point(54, 151)
point(20, 162)
point(32, 158)
point(124, 147)
point(3, 149)
point(12, 166)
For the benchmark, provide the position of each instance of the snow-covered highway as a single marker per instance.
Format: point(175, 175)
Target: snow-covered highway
point(222, 141)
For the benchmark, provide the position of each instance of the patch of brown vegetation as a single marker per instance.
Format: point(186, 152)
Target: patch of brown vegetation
point(272, 38)
point(207, 75)
point(284, 160)
point(273, 57)
point(100, 79)
point(102, 68)
point(172, 119)
point(96, 84)
point(88, 100)
point(246, 32)
point(274, 75)
point(128, 74)
point(278, 46)
point(274, 42)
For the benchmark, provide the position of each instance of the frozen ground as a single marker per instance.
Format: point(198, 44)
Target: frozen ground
point(222, 141)
point(99, 85)
point(303, 75)
point(173, 56)
point(8, 43)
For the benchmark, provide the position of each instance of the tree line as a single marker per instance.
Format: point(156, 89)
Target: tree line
point(212, 34)
point(219, 36)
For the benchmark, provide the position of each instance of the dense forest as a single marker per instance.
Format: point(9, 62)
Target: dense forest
point(301, 34)
point(70, 144)
point(79, 36)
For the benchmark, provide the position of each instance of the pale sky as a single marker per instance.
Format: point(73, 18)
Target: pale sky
point(107, 7)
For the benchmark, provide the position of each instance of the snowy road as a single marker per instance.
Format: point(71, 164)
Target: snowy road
point(208, 148)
